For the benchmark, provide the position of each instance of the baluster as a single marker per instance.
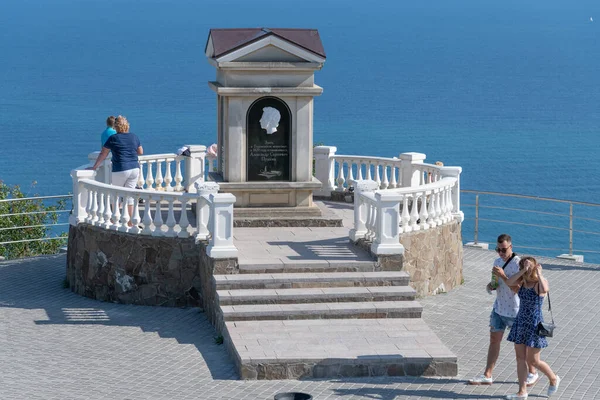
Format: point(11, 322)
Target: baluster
point(140, 182)
point(438, 209)
point(147, 216)
point(159, 175)
point(405, 215)
point(89, 206)
point(100, 209)
point(371, 220)
point(135, 218)
point(340, 178)
point(171, 222)
point(393, 177)
point(423, 215)
point(158, 220)
point(431, 210)
point(125, 215)
point(385, 182)
point(368, 170)
point(168, 177)
point(359, 174)
point(447, 204)
point(350, 176)
point(178, 176)
point(414, 214)
point(377, 175)
point(117, 213)
point(107, 211)
point(183, 219)
point(149, 177)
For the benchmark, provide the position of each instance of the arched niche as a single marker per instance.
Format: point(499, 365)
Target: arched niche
point(268, 152)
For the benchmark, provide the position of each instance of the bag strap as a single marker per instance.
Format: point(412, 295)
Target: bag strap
point(509, 260)
point(549, 303)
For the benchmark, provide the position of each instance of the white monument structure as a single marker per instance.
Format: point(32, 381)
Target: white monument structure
point(265, 89)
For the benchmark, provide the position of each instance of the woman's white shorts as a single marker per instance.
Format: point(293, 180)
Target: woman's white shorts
point(126, 179)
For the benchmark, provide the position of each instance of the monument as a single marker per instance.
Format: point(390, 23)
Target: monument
point(265, 90)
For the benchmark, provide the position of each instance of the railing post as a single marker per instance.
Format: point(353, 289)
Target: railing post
point(454, 172)
point(80, 195)
point(221, 226)
point(103, 173)
point(325, 169)
point(410, 164)
point(570, 229)
point(194, 167)
point(204, 190)
point(360, 208)
point(387, 233)
point(476, 233)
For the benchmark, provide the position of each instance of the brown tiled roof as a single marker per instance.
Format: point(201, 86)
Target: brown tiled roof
point(227, 40)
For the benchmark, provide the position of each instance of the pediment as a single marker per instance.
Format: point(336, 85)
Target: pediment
point(265, 45)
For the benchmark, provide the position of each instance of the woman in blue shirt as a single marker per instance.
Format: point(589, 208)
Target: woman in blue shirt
point(125, 148)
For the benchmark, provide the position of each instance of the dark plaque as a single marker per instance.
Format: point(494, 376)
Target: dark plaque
point(269, 128)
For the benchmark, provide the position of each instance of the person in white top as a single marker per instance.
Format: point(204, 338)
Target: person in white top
point(504, 311)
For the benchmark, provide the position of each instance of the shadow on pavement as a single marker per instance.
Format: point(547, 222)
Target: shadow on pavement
point(37, 283)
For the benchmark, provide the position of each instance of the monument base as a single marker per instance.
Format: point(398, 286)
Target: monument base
point(271, 194)
point(313, 216)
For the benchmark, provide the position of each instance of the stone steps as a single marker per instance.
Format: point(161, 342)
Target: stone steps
point(315, 295)
point(351, 310)
point(295, 349)
point(310, 280)
point(279, 266)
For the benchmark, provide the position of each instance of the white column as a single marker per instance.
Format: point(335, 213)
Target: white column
point(454, 172)
point(387, 239)
point(194, 166)
point(80, 195)
point(360, 208)
point(411, 169)
point(204, 189)
point(221, 241)
point(325, 169)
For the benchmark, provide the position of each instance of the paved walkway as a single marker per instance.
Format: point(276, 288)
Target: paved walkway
point(57, 345)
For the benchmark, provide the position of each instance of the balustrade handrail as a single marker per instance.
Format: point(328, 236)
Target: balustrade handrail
point(445, 181)
point(366, 158)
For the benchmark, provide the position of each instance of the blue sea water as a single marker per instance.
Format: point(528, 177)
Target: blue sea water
point(508, 90)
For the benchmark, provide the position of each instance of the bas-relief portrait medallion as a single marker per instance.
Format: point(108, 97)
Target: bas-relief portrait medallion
point(268, 137)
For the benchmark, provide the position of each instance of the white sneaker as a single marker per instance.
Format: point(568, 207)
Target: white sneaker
point(554, 389)
point(481, 380)
point(532, 379)
point(516, 396)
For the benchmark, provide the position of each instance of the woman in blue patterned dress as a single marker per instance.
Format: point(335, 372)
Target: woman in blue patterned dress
point(528, 344)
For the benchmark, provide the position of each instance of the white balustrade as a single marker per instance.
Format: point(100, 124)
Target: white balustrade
point(161, 172)
point(383, 171)
point(156, 213)
point(382, 215)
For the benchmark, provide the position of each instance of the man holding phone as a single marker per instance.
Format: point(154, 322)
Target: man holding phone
point(504, 311)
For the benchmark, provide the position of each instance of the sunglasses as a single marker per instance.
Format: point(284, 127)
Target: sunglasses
point(503, 250)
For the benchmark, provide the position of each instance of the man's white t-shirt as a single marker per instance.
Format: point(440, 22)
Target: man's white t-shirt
point(507, 301)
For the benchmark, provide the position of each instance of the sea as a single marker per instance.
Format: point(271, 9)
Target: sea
point(509, 91)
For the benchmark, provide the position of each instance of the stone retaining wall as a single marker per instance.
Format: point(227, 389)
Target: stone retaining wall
point(434, 258)
point(135, 269)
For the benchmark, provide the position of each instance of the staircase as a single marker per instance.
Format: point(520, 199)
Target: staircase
point(323, 319)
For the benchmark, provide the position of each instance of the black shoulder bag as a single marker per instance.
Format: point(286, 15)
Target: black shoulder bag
point(546, 329)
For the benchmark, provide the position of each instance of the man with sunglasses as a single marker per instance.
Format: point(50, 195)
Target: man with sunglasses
point(504, 311)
